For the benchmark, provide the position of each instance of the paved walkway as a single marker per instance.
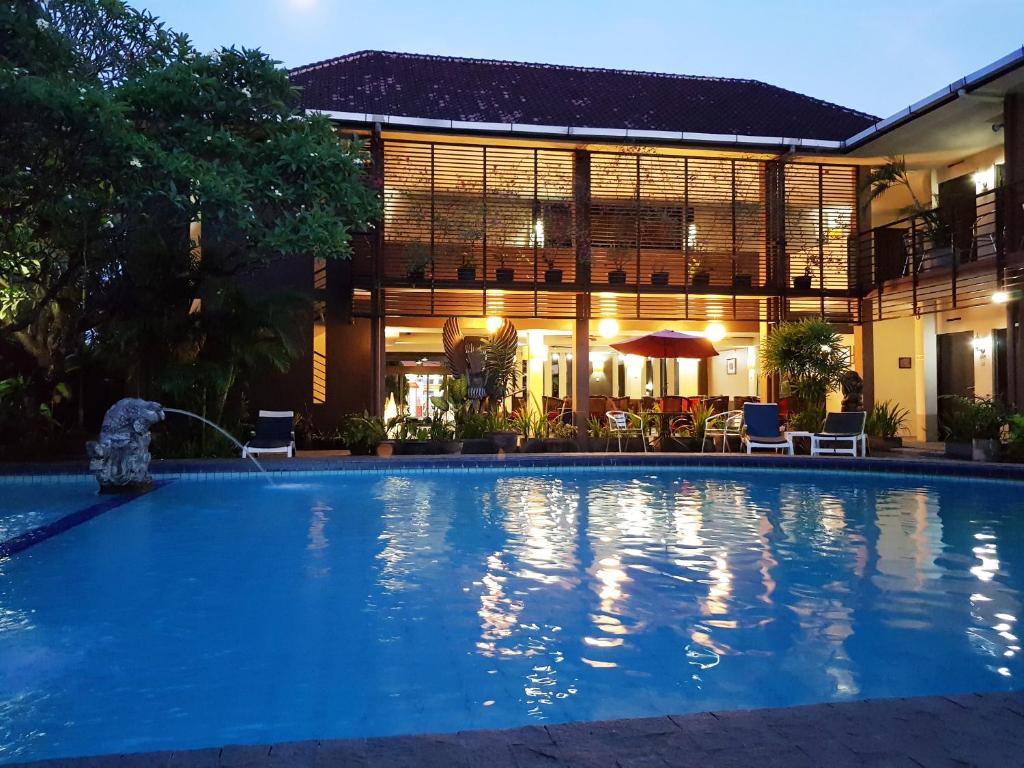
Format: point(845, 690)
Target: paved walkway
point(972, 730)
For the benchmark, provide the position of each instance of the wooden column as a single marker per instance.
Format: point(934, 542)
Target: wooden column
point(581, 201)
point(378, 357)
point(1013, 212)
point(860, 279)
point(581, 367)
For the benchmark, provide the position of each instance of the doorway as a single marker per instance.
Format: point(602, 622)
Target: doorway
point(955, 369)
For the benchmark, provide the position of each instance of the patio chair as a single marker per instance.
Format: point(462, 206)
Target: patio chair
point(274, 433)
point(761, 428)
point(841, 433)
point(724, 425)
point(623, 424)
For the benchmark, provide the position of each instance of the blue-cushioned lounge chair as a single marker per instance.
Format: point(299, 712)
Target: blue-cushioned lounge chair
point(842, 433)
point(273, 434)
point(761, 421)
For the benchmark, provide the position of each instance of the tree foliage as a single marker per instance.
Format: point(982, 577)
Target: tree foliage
point(117, 139)
point(810, 358)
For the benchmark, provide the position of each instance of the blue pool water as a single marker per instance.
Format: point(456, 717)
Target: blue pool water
point(224, 611)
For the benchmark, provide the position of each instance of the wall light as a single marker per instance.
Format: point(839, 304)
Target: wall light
point(392, 333)
point(494, 323)
point(1000, 297)
point(982, 345)
point(985, 179)
point(608, 327)
point(714, 332)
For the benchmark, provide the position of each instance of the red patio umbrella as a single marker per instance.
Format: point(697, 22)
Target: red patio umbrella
point(666, 344)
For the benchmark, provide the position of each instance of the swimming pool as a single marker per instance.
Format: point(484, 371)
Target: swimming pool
point(225, 611)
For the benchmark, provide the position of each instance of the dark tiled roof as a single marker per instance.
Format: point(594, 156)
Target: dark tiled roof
point(480, 90)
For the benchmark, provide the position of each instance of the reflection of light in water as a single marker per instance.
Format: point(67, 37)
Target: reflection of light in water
point(317, 522)
point(989, 561)
point(716, 603)
point(610, 576)
point(498, 614)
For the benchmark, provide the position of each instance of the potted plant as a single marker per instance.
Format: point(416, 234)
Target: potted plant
point(808, 355)
point(500, 431)
point(617, 276)
point(699, 276)
point(531, 428)
point(883, 425)
point(803, 282)
point(971, 427)
point(362, 432)
point(503, 273)
point(742, 280)
point(467, 267)
point(552, 274)
point(417, 261)
point(659, 276)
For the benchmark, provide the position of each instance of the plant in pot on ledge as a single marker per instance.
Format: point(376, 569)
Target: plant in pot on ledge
point(659, 275)
point(505, 271)
point(417, 261)
point(617, 258)
point(467, 266)
point(803, 282)
point(552, 274)
point(696, 272)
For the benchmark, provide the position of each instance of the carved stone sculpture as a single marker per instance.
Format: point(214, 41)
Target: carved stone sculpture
point(488, 364)
point(853, 391)
point(120, 458)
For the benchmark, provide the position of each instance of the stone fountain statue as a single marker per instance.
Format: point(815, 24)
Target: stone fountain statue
point(120, 458)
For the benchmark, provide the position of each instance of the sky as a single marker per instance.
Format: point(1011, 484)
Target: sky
point(876, 56)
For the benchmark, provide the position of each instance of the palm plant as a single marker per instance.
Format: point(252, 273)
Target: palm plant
point(810, 358)
point(886, 420)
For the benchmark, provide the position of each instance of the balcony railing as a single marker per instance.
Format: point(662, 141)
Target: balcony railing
point(946, 258)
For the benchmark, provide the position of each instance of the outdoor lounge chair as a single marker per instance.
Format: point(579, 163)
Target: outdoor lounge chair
point(842, 433)
point(273, 434)
point(623, 424)
point(761, 422)
point(724, 425)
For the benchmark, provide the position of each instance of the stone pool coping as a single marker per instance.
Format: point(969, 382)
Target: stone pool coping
point(517, 462)
point(975, 729)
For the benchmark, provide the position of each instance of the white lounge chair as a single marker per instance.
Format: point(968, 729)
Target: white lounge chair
point(842, 433)
point(761, 428)
point(274, 433)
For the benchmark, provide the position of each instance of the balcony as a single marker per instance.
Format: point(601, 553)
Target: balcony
point(946, 258)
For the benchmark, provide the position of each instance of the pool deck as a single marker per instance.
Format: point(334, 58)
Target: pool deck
point(970, 730)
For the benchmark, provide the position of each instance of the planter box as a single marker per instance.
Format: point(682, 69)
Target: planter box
point(557, 445)
point(427, 447)
point(504, 275)
point(883, 444)
point(467, 274)
point(659, 278)
point(959, 450)
point(802, 282)
point(478, 445)
point(386, 449)
point(616, 277)
point(505, 441)
point(532, 445)
point(552, 275)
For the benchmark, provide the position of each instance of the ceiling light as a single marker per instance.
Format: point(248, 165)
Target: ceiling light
point(608, 327)
point(1000, 297)
point(714, 332)
point(494, 323)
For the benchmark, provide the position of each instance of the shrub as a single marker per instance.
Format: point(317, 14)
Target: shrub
point(886, 420)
